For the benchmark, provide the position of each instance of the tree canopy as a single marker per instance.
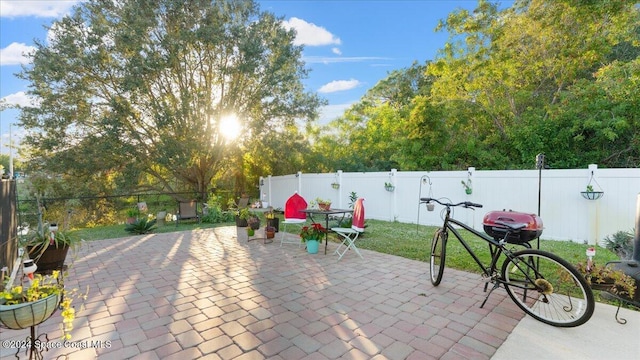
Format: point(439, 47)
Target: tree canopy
point(135, 91)
point(557, 77)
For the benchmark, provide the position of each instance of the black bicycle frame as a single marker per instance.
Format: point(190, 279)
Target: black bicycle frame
point(495, 247)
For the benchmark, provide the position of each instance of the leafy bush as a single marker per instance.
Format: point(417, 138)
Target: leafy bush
point(215, 214)
point(141, 226)
point(620, 243)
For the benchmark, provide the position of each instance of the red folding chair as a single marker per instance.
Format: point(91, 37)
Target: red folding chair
point(350, 235)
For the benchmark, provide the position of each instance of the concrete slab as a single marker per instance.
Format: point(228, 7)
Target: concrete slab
point(602, 337)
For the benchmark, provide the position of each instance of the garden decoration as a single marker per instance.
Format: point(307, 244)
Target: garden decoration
point(424, 180)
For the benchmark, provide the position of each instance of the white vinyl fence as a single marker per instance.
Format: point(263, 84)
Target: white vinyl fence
point(565, 213)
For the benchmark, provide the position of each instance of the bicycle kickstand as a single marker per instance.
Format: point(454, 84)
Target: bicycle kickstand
point(495, 286)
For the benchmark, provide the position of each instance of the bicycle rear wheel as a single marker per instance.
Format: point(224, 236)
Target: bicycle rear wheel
point(548, 288)
point(436, 261)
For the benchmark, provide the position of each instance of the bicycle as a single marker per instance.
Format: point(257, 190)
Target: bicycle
point(542, 284)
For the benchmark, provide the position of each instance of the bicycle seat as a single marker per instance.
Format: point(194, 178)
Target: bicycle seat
point(510, 225)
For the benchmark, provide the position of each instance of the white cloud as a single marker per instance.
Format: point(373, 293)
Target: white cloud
point(310, 34)
point(18, 99)
point(14, 54)
point(336, 51)
point(36, 8)
point(339, 85)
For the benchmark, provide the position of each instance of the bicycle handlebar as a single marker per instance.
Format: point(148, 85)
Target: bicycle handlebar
point(464, 203)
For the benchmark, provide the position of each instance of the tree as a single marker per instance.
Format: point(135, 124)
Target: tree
point(372, 134)
point(509, 70)
point(138, 89)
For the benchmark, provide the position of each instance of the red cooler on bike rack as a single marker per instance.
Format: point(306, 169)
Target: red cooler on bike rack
point(526, 234)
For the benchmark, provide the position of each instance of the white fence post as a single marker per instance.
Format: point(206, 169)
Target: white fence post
point(340, 188)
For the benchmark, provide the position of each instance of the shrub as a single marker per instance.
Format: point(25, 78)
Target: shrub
point(620, 243)
point(141, 226)
point(215, 214)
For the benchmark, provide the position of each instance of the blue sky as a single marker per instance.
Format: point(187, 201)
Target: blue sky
point(348, 45)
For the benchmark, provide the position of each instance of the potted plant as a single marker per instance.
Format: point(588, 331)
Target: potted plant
point(270, 232)
point(389, 186)
point(323, 204)
point(132, 214)
point(467, 186)
point(335, 185)
point(23, 307)
point(312, 236)
point(250, 231)
point(241, 217)
point(48, 248)
point(272, 219)
point(250, 217)
point(254, 221)
point(606, 278)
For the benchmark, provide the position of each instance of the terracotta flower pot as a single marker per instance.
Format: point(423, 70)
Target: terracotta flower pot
point(324, 206)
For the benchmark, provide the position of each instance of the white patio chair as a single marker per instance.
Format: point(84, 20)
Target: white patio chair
point(350, 235)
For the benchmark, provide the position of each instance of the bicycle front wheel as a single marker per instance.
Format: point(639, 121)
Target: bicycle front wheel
point(548, 288)
point(436, 260)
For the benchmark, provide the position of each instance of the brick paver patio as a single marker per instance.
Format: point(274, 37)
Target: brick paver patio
point(211, 294)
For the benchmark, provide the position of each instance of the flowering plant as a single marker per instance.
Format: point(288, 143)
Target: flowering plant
point(42, 287)
point(270, 214)
point(313, 232)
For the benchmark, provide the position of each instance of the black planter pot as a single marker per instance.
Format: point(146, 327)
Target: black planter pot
point(241, 222)
point(275, 222)
point(52, 258)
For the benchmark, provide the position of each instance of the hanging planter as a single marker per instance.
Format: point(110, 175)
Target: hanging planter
point(591, 193)
point(24, 315)
point(467, 186)
point(335, 185)
point(389, 187)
